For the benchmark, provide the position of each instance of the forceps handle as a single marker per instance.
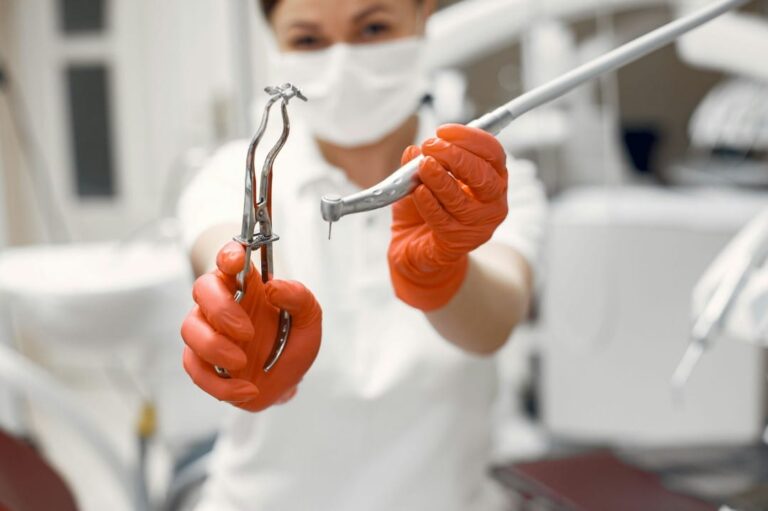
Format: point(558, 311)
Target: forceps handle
point(281, 340)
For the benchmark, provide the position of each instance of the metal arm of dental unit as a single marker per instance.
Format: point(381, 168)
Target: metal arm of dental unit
point(735, 44)
point(473, 29)
point(729, 277)
point(404, 180)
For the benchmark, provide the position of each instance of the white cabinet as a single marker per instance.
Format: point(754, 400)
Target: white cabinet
point(621, 265)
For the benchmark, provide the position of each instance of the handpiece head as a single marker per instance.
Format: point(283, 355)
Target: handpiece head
point(331, 207)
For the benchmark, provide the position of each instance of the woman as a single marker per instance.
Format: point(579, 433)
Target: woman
point(395, 411)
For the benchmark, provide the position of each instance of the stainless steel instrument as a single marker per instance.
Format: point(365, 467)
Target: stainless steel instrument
point(257, 210)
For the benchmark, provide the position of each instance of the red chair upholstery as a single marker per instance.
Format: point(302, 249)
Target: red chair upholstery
point(27, 482)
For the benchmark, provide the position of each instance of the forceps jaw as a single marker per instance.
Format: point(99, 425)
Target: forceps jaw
point(287, 91)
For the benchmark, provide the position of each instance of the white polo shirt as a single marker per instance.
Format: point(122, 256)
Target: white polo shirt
point(390, 416)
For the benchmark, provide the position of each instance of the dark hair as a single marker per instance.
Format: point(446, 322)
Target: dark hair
point(267, 6)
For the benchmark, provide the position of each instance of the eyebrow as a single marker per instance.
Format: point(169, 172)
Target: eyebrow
point(356, 18)
point(304, 24)
point(368, 11)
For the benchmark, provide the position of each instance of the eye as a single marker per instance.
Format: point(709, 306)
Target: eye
point(306, 42)
point(375, 30)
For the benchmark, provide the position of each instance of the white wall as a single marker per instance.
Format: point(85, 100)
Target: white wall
point(3, 211)
point(173, 79)
point(735, 44)
point(8, 404)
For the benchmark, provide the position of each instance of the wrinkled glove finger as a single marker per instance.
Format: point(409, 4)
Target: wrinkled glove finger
point(478, 142)
point(446, 189)
point(220, 309)
point(210, 345)
point(486, 184)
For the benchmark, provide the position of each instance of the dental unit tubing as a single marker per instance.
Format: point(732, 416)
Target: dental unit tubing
point(404, 180)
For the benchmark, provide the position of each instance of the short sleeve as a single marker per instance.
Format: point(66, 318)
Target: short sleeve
point(215, 195)
point(524, 226)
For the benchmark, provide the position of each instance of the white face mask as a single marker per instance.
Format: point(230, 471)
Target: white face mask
point(357, 93)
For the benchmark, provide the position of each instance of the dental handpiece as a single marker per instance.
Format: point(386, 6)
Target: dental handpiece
point(404, 180)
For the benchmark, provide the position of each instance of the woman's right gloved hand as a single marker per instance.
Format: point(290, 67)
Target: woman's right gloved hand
point(240, 337)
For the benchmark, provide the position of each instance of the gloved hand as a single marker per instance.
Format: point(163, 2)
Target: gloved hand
point(461, 201)
point(240, 337)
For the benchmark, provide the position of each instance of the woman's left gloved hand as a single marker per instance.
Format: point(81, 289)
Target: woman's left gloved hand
point(458, 206)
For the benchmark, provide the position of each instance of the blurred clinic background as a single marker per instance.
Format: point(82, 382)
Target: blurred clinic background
point(108, 108)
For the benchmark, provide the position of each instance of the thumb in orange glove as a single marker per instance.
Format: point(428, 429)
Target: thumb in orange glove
point(458, 206)
point(239, 337)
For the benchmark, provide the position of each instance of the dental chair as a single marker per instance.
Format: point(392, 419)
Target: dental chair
point(27, 482)
point(23, 377)
point(98, 328)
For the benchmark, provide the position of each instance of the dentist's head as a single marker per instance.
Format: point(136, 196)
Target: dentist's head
point(307, 25)
point(358, 61)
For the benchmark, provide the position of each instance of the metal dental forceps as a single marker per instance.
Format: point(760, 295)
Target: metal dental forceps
point(258, 210)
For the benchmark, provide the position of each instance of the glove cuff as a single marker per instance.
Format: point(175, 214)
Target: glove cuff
point(428, 291)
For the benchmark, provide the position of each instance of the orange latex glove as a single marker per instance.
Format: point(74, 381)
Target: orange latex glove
point(240, 337)
point(458, 206)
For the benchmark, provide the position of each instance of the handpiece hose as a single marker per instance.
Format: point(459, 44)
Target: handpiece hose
point(404, 180)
